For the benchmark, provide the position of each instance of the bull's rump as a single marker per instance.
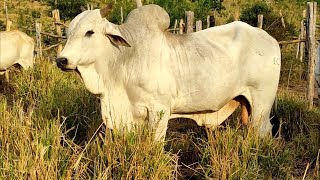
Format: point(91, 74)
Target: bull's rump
point(15, 46)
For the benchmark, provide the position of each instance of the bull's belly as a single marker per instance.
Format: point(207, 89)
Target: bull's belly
point(8, 58)
point(211, 119)
point(199, 104)
point(7, 62)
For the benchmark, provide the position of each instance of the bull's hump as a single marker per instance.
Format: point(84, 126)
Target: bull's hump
point(151, 16)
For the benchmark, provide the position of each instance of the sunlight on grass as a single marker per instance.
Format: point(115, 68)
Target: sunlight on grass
point(50, 129)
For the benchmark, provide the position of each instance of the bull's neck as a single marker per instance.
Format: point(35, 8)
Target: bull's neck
point(119, 61)
point(127, 31)
point(132, 32)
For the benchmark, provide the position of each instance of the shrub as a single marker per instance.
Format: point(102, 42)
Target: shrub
point(25, 21)
point(250, 14)
point(68, 8)
point(271, 22)
point(176, 9)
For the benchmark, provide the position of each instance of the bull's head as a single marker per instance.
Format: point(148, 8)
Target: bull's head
point(90, 37)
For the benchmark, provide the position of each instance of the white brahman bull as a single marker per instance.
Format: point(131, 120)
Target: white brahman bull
point(145, 74)
point(15, 48)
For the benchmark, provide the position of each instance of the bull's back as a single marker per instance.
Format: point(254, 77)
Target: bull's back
point(252, 50)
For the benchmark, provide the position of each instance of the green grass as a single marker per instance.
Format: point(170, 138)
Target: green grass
point(51, 129)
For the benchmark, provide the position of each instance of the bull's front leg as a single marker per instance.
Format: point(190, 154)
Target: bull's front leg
point(158, 121)
point(116, 113)
point(106, 118)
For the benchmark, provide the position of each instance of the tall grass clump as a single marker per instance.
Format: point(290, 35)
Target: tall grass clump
point(51, 129)
point(48, 93)
point(239, 153)
point(235, 152)
point(129, 155)
point(29, 147)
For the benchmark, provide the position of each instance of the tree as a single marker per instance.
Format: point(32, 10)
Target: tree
point(271, 21)
point(68, 8)
point(177, 8)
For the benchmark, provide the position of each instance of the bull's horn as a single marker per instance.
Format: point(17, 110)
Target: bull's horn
point(106, 10)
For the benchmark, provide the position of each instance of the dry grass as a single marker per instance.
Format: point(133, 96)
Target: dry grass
point(50, 129)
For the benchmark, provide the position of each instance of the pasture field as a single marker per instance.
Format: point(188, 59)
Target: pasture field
point(51, 129)
point(50, 125)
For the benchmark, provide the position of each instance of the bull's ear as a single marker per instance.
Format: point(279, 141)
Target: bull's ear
point(118, 40)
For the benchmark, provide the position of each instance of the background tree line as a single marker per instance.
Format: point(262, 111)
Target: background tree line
point(176, 9)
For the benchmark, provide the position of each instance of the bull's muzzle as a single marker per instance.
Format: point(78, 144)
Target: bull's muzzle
point(62, 63)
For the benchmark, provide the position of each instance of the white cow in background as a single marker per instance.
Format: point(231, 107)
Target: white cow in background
point(15, 48)
point(145, 74)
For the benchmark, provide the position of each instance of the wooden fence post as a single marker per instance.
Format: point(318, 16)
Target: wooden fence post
point(317, 74)
point(89, 6)
point(56, 17)
point(260, 21)
point(189, 21)
point(121, 14)
point(138, 3)
point(38, 38)
point(298, 47)
point(198, 25)
point(8, 22)
point(237, 14)
point(282, 19)
point(208, 21)
point(212, 21)
point(8, 26)
point(175, 27)
point(181, 26)
point(311, 46)
point(302, 36)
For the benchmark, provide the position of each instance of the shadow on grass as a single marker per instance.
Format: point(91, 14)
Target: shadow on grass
point(184, 137)
point(294, 147)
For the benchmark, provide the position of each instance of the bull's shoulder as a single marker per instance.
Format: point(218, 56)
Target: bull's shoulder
point(149, 16)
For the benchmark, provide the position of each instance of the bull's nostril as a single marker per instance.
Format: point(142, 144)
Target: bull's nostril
point(62, 62)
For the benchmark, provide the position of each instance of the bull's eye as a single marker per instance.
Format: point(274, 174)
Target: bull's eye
point(89, 33)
